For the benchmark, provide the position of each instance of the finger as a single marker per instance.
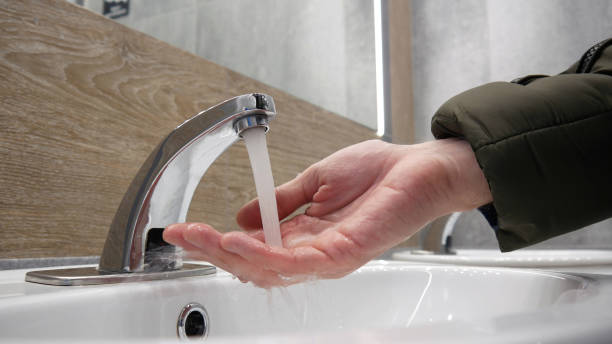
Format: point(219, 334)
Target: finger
point(257, 234)
point(208, 241)
point(289, 197)
point(303, 260)
point(338, 194)
point(173, 234)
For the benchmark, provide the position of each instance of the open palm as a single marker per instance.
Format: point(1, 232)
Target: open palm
point(363, 200)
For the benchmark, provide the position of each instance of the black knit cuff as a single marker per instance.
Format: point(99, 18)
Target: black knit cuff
point(490, 214)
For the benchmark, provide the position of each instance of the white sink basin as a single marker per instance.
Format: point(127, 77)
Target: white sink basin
point(557, 259)
point(384, 300)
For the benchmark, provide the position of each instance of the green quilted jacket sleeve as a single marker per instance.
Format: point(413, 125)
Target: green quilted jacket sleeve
point(544, 145)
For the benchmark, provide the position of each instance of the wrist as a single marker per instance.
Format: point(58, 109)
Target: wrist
point(439, 177)
point(467, 187)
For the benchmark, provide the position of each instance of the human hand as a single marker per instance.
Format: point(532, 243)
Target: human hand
point(364, 199)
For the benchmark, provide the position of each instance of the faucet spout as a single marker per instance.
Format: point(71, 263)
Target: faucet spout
point(446, 240)
point(161, 191)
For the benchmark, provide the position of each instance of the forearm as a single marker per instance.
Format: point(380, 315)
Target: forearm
point(544, 149)
point(466, 186)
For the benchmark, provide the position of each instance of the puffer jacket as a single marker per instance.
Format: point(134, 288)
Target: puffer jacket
point(544, 144)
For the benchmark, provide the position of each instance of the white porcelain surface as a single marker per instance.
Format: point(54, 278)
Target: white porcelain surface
point(386, 301)
point(576, 260)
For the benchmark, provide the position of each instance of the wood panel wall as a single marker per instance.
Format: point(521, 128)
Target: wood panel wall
point(400, 78)
point(83, 101)
point(400, 70)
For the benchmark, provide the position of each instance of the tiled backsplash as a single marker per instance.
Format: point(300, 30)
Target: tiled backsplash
point(473, 231)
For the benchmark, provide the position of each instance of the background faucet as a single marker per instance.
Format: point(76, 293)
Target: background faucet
point(437, 237)
point(161, 191)
point(446, 239)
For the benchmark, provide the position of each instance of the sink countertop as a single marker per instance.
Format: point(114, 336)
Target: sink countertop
point(385, 302)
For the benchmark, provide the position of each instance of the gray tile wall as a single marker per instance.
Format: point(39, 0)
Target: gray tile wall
point(458, 45)
point(473, 231)
point(318, 50)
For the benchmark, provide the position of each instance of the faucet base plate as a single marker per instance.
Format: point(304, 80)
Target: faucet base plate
point(91, 276)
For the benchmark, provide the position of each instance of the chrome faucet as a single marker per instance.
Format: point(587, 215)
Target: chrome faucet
point(437, 238)
point(160, 195)
point(161, 192)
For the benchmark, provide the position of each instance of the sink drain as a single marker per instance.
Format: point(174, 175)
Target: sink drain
point(193, 322)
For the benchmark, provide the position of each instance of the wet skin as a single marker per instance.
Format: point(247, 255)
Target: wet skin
point(363, 200)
